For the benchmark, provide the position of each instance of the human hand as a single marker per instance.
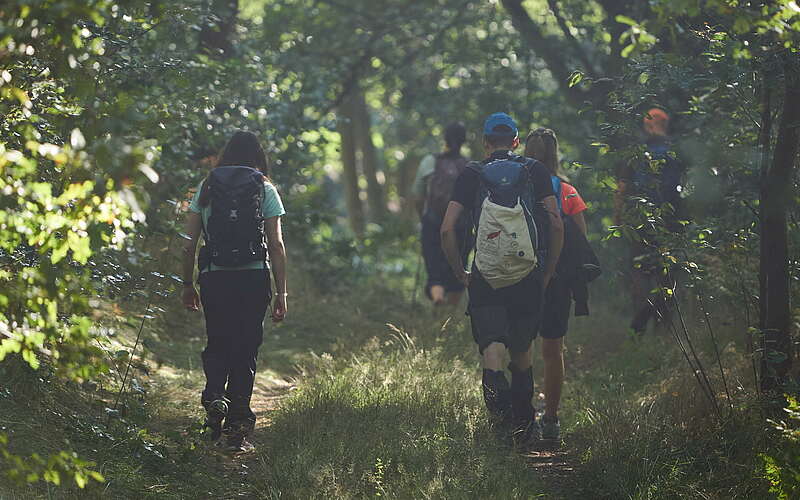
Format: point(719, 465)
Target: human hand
point(464, 277)
point(190, 299)
point(547, 277)
point(279, 308)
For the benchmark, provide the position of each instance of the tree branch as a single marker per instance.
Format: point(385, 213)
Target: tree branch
point(576, 45)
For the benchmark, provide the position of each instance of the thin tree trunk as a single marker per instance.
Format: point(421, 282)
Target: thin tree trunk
point(369, 157)
point(346, 127)
point(776, 195)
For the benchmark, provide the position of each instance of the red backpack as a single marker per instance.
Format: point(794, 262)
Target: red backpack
point(441, 182)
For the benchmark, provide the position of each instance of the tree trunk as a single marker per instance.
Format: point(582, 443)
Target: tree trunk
point(555, 53)
point(216, 35)
point(776, 196)
point(346, 127)
point(369, 158)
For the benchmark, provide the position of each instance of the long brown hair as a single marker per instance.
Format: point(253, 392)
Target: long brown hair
point(242, 150)
point(550, 143)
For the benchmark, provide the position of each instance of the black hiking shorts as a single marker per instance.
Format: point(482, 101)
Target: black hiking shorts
point(438, 269)
point(510, 315)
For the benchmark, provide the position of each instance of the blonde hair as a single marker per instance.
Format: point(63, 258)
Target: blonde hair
point(550, 143)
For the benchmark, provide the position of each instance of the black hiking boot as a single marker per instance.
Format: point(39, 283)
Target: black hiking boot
point(216, 411)
point(527, 435)
point(236, 440)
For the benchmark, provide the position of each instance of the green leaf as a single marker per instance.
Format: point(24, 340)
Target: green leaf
point(80, 246)
point(575, 78)
point(627, 50)
point(625, 20)
point(30, 358)
point(59, 253)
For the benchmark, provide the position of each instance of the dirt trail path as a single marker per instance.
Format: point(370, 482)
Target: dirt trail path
point(180, 381)
point(556, 466)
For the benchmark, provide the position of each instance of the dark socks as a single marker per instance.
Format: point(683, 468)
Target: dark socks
point(522, 396)
point(496, 394)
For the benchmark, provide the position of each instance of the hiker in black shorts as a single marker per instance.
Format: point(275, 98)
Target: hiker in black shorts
point(505, 312)
point(237, 209)
point(542, 144)
point(432, 189)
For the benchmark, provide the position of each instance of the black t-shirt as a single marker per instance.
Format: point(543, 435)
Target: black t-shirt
point(465, 190)
point(522, 297)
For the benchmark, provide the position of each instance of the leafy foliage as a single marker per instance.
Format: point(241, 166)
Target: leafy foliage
point(111, 110)
point(783, 464)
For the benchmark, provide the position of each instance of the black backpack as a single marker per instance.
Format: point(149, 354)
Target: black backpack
point(661, 184)
point(441, 182)
point(235, 234)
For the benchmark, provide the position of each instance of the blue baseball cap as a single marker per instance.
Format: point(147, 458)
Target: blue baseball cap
point(496, 120)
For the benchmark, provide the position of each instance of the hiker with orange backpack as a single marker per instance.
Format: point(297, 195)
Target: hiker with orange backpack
point(518, 239)
point(433, 186)
point(238, 212)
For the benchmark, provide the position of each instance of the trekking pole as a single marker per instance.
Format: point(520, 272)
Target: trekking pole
point(145, 316)
point(416, 282)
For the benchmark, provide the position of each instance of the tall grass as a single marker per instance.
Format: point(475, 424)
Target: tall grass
point(392, 420)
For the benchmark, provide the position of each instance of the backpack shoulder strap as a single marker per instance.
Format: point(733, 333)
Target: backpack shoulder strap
point(557, 189)
point(476, 166)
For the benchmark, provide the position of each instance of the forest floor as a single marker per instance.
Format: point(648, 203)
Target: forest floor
point(360, 394)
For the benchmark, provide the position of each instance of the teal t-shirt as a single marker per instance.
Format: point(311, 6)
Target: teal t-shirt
point(426, 168)
point(271, 206)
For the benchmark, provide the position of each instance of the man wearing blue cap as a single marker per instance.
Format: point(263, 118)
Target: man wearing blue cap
point(519, 235)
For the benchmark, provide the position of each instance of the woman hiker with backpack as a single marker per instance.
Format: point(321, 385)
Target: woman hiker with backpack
point(237, 210)
point(542, 144)
point(432, 188)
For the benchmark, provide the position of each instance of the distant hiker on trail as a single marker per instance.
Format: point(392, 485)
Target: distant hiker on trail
point(519, 234)
point(658, 181)
point(433, 187)
point(577, 266)
point(238, 211)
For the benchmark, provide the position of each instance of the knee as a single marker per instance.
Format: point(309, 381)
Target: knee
point(493, 356)
point(520, 361)
point(552, 349)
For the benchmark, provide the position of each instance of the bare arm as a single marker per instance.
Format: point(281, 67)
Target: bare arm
point(450, 241)
point(556, 238)
point(189, 296)
point(580, 221)
point(277, 258)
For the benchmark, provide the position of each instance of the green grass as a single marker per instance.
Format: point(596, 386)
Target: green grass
point(394, 420)
point(396, 412)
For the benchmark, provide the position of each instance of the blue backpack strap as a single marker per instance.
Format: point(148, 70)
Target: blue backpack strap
point(557, 189)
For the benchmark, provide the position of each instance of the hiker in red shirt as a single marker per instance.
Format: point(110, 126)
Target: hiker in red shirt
point(542, 144)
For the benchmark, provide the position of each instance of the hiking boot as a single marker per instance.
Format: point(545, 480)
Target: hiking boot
point(527, 435)
point(551, 428)
point(237, 442)
point(216, 411)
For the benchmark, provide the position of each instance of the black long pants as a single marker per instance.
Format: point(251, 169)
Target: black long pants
point(234, 304)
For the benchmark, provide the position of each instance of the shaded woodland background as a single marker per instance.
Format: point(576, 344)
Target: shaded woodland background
point(112, 111)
